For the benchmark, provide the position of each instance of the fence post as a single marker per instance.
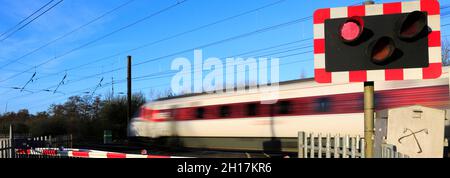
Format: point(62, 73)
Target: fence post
point(362, 147)
point(353, 146)
point(301, 145)
point(305, 145)
point(337, 139)
point(320, 146)
point(383, 150)
point(1, 148)
point(328, 153)
point(344, 147)
point(7, 149)
point(358, 140)
point(11, 142)
point(311, 141)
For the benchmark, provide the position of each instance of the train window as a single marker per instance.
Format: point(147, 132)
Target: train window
point(322, 105)
point(376, 100)
point(200, 113)
point(224, 111)
point(284, 107)
point(252, 109)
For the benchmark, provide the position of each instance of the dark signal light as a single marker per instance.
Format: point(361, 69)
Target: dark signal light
point(412, 25)
point(351, 29)
point(381, 50)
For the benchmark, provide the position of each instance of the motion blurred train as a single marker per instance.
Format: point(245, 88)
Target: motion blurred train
point(236, 120)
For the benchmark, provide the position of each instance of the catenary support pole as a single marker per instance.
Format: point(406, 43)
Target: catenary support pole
point(129, 78)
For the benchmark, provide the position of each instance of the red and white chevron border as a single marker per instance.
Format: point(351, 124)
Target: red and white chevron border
point(76, 153)
point(434, 70)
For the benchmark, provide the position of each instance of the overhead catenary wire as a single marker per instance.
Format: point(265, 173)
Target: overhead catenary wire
point(271, 47)
point(16, 60)
point(169, 74)
point(169, 37)
point(306, 18)
point(202, 46)
point(100, 38)
point(262, 30)
point(98, 85)
point(260, 56)
point(29, 81)
point(240, 54)
point(265, 29)
point(159, 73)
point(25, 19)
point(84, 91)
point(60, 83)
point(282, 64)
point(32, 20)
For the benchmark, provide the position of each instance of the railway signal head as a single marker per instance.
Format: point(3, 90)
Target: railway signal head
point(378, 42)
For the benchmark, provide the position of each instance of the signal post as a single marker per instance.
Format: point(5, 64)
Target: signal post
point(369, 112)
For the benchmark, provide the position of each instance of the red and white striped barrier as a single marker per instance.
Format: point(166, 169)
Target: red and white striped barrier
point(79, 153)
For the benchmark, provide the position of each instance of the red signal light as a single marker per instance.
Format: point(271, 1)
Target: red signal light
point(381, 50)
point(351, 29)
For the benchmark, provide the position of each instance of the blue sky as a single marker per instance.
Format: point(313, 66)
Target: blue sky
point(191, 14)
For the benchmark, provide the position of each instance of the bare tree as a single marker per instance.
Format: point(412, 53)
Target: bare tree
point(303, 74)
point(155, 95)
point(446, 53)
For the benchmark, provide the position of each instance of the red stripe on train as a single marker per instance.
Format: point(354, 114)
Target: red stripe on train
point(435, 96)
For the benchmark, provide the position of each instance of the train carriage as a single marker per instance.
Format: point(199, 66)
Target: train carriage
point(238, 120)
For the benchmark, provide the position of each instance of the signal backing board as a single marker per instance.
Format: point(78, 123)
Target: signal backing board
point(336, 60)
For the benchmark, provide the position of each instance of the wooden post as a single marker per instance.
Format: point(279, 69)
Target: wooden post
point(129, 95)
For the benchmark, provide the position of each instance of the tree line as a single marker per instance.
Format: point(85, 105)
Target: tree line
point(85, 117)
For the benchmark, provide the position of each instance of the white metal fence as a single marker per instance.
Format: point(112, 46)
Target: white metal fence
point(336, 146)
point(19, 148)
point(329, 146)
point(6, 149)
point(11, 145)
point(390, 151)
